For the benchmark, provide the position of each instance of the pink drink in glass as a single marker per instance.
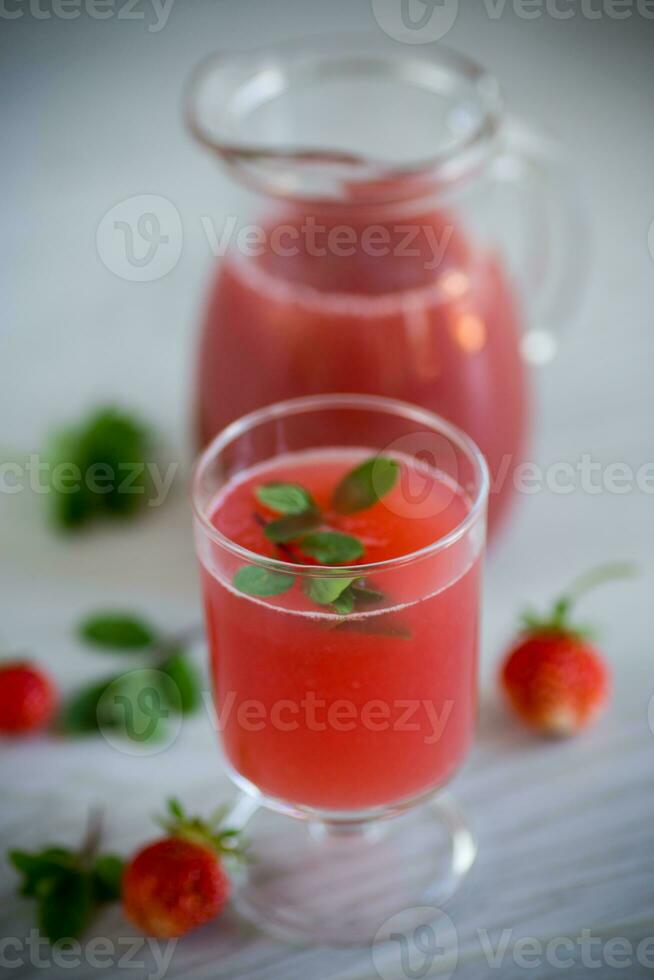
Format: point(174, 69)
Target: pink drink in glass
point(348, 713)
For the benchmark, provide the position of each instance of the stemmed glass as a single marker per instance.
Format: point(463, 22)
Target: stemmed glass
point(342, 730)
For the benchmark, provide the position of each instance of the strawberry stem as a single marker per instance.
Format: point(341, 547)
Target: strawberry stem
point(598, 576)
point(92, 837)
point(558, 621)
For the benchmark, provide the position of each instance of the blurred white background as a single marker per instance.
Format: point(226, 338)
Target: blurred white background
point(92, 115)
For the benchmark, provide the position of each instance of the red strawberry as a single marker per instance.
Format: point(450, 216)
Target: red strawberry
point(28, 698)
point(557, 684)
point(554, 678)
point(178, 883)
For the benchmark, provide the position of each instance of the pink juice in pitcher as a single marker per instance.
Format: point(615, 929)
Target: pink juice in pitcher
point(346, 299)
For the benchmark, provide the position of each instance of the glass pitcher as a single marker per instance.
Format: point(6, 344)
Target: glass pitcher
point(395, 234)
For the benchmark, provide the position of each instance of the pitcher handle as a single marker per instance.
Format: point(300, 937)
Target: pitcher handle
point(554, 258)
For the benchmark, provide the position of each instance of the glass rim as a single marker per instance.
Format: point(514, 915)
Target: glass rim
point(296, 406)
point(447, 165)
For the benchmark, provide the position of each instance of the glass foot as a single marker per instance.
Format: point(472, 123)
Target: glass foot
point(340, 883)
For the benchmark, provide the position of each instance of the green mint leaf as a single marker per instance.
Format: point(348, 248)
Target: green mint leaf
point(181, 672)
point(79, 715)
point(366, 594)
point(67, 885)
point(65, 905)
point(365, 485)
point(285, 498)
point(67, 510)
point(106, 878)
point(42, 866)
point(326, 591)
point(261, 581)
point(99, 468)
point(291, 527)
point(357, 594)
point(117, 631)
point(332, 547)
point(344, 603)
point(354, 595)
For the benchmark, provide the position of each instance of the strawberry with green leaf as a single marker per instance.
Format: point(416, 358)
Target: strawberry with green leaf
point(179, 882)
point(554, 678)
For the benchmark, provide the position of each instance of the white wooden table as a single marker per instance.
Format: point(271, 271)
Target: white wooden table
point(565, 830)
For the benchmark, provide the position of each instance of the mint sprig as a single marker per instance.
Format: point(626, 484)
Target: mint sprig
point(98, 468)
point(168, 677)
point(68, 886)
point(360, 488)
point(304, 526)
